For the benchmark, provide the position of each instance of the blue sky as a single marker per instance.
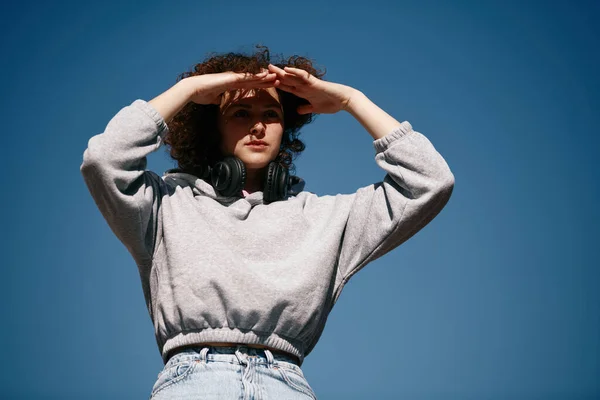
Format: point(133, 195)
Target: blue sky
point(497, 298)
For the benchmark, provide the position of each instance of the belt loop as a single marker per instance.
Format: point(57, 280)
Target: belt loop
point(241, 358)
point(203, 354)
point(269, 357)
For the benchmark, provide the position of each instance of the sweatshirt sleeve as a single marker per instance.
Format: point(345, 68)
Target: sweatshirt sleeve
point(382, 216)
point(113, 169)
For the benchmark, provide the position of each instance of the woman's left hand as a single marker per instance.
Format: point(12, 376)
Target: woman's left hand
point(324, 97)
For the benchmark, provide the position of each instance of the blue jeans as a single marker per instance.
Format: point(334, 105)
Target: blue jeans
point(237, 373)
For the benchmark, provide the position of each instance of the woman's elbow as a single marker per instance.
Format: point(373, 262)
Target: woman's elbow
point(444, 188)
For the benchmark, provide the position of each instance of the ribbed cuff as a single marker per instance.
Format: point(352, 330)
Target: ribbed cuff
point(161, 125)
point(397, 133)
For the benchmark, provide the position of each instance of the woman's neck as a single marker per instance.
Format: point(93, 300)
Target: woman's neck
point(254, 180)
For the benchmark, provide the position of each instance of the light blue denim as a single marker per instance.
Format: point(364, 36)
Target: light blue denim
point(236, 373)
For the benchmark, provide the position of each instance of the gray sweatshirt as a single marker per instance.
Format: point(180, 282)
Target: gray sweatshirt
point(233, 269)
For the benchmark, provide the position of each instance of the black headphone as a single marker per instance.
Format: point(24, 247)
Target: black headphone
point(228, 177)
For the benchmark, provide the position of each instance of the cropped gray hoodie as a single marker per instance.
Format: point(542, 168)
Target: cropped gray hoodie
point(234, 269)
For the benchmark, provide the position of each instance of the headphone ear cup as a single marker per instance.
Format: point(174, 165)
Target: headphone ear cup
point(228, 177)
point(276, 183)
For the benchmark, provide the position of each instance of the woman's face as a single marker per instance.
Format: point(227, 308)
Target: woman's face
point(251, 126)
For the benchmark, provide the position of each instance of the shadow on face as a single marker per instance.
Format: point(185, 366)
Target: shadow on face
point(231, 97)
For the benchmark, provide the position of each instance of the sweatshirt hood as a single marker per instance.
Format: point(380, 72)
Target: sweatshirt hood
point(174, 177)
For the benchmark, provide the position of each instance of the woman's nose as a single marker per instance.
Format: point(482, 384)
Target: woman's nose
point(258, 128)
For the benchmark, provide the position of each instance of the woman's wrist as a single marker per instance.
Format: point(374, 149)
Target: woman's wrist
point(376, 121)
point(170, 102)
point(352, 95)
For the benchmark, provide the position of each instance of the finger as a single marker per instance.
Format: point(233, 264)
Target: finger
point(248, 76)
point(251, 83)
point(287, 88)
point(262, 77)
point(293, 80)
point(267, 77)
point(305, 109)
point(298, 72)
point(274, 68)
point(269, 80)
point(285, 76)
point(278, 71)
point(290, 80)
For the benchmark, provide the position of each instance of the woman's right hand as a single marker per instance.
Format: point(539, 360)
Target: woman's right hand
point(208, 88)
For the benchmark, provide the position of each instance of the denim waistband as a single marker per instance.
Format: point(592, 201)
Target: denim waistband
point(230, 354)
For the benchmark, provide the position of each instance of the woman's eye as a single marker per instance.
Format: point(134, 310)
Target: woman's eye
point(272, 114)
point(240, 113)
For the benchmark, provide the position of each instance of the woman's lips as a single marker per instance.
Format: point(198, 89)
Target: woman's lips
point(257, 147)
point(256, 144)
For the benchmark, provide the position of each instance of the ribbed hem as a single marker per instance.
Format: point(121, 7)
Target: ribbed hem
point(143, 105)
point(228, 335)
point(383, 143)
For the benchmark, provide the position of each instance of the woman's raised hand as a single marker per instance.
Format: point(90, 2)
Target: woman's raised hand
point(324, 97)
point(208, 88)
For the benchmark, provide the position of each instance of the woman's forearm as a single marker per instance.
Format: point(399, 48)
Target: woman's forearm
point(376, 121)
point(170, 102)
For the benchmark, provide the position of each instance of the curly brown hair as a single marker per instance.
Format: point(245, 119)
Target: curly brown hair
point(193, 136)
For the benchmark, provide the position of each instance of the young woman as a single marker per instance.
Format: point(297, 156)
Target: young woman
point(239, 266)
